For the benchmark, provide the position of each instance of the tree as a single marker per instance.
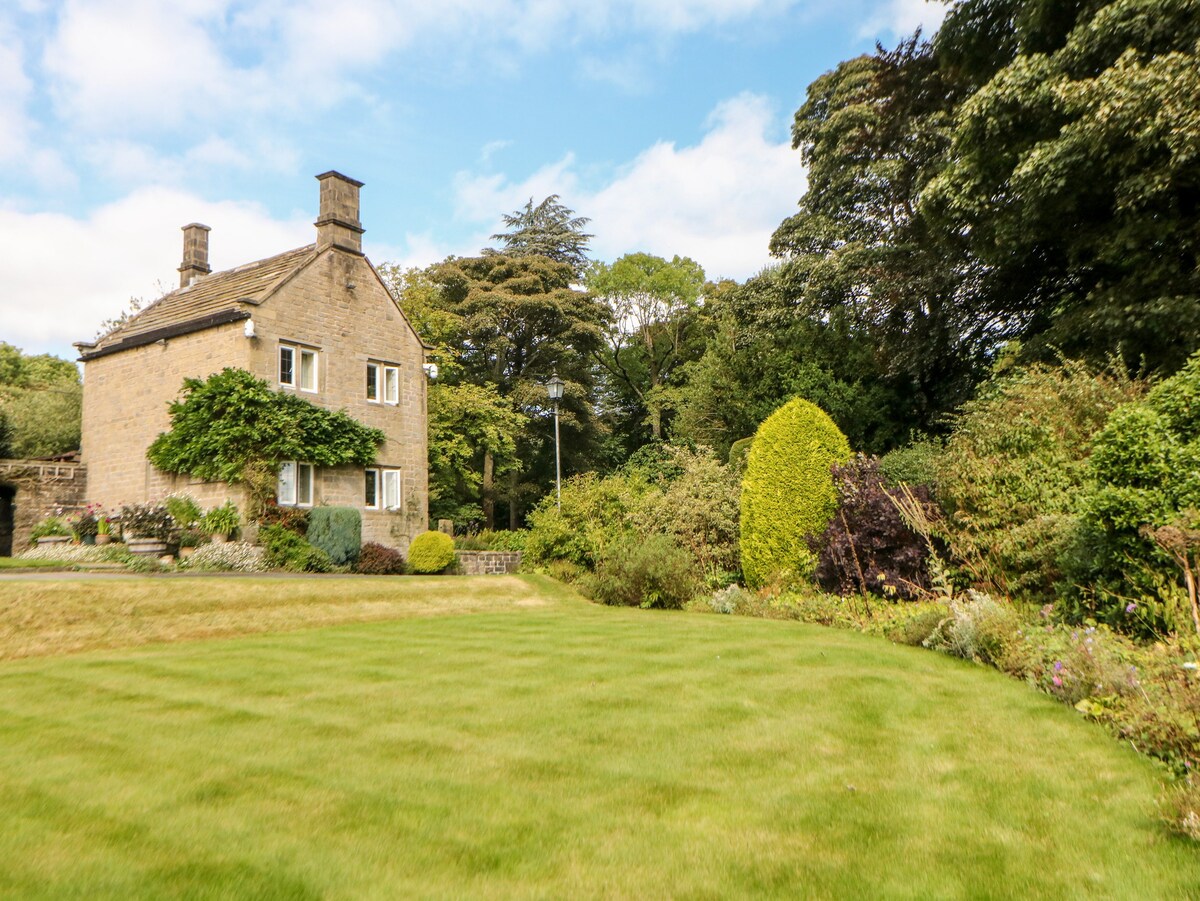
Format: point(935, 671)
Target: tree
point(549, 229)
point(874, 133)
point(517, 322)
point(763, 347)
point(40, 403)
point(653, 304)
point(1074, 175)
point(467, 422)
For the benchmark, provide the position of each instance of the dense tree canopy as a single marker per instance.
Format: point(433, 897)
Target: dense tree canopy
point(40, 398)
point(508, 323)
point(550, 229)
point(654, 306)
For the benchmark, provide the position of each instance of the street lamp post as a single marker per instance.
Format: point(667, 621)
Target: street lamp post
point(554, 388)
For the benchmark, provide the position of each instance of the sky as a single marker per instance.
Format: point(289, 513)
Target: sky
point(666, 122)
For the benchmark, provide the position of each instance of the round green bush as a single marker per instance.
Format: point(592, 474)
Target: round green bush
point(788, 491)
point(430, 552)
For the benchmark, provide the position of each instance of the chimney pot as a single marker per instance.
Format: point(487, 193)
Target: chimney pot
point(195, 254)
point(337, 223)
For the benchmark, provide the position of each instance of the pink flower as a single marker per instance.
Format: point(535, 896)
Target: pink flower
point(1057, 682)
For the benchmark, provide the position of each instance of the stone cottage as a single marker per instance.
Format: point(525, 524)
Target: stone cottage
point(316, 321)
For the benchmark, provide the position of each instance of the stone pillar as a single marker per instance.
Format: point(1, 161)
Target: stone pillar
point(337, 224)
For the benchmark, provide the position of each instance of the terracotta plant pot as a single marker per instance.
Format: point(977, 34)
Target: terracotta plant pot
point(103, 539)
point(185, 552)
point(219, 538)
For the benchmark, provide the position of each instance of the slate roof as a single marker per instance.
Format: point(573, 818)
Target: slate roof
point(211, 300)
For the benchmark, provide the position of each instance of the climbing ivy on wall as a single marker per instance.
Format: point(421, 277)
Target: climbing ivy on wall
point(232, 427)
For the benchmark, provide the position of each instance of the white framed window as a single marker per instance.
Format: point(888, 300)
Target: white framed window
point(373, 383)
point(302, 373)
point(308, 370)
point(287, 366)
point(382, 489)
point(391, 489)
point(391, 384)
point(295, 487)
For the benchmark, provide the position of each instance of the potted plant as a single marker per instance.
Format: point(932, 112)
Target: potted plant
point(51, 530)
point(146, 528)
point(221, 522)
point(103, 529)
point(189, 540)
point(85, 526)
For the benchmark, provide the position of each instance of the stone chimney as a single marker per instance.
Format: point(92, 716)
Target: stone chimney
point(337, 224)
point(195, 254)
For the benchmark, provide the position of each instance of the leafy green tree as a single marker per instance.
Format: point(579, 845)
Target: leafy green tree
point(763, 347)
point(518, 321)
point(1073, 172)
point(40, 404)
point(467, 422)
point(550, 229)
point(654, 304)
point(874, 133)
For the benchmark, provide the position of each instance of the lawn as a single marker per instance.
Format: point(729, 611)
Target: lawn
point(543, 747)
point(18, 563)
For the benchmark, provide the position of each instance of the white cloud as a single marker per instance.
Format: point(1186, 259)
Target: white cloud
point(148, 67)
point(64, 275)
point(900, 18)
point(717, 202)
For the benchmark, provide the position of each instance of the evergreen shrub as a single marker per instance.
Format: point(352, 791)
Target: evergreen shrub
point(283, 549)
point(378, 560)
point(644, 572)
point(1011, 478)
point(430, 552)
point(337, 531)
point(913, 464)
point(788, 493)
point(1144, 474)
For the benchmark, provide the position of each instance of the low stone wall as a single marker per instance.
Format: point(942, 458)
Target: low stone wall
point(488, 563)
point(31, 490)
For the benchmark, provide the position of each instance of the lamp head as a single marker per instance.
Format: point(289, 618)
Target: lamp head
point(554, 388)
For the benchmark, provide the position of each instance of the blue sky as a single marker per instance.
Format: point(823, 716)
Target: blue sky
point(665, 121)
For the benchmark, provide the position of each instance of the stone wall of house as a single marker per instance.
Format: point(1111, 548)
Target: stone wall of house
point(125, 400)
point(338, 307)
point(488, 563)
point(31, 490)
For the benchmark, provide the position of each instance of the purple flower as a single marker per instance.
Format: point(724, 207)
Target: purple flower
point(1130, 607)
point(1058, 666)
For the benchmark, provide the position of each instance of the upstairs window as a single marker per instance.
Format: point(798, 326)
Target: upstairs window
point(302, 373)
point(287, 366)
point(373, 382)
point(295, 484)
point(391, 384)
point(308, 370)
